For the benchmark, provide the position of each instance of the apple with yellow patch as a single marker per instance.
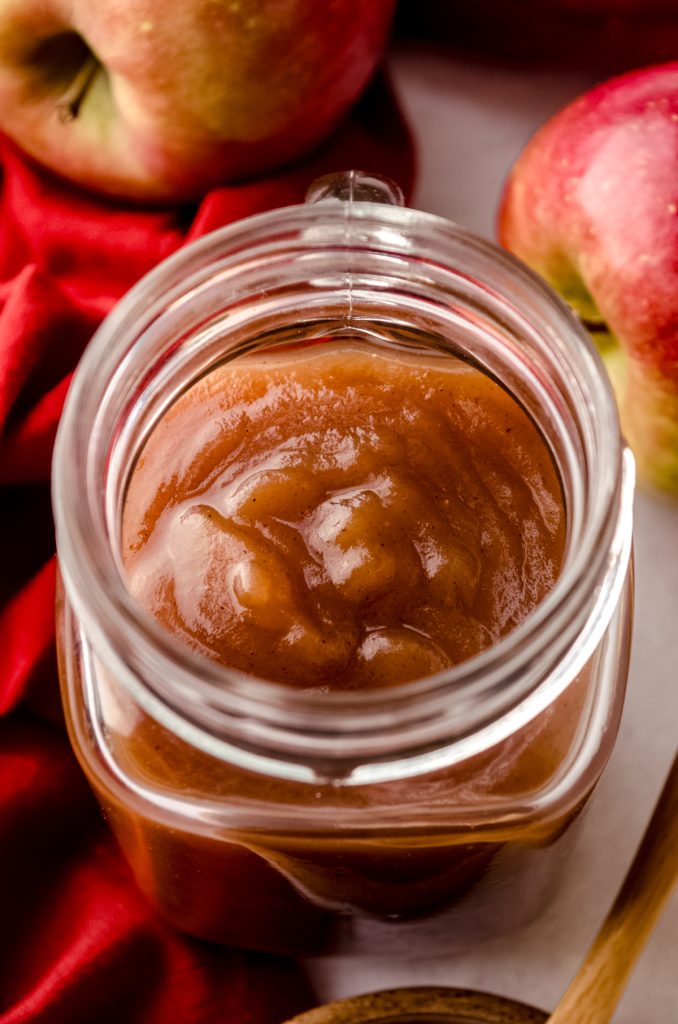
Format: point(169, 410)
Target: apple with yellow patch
point(162, 99)
point(592, 205)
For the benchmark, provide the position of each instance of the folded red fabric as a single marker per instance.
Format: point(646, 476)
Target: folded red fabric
point(79, 943)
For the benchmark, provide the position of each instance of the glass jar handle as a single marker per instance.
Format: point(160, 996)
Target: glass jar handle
point(355, 187)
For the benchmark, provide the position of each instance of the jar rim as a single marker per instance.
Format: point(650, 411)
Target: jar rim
point(254, 707)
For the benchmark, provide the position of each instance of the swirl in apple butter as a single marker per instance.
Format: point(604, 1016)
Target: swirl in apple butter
point(345, 516)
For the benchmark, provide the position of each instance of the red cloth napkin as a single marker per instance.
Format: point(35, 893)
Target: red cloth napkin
point(79, 944)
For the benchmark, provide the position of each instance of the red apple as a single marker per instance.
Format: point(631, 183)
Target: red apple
point(592, 205)
point(160, 99)
point(606, 35)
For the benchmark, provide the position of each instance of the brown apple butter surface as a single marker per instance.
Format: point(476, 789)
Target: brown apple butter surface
point(343, 516)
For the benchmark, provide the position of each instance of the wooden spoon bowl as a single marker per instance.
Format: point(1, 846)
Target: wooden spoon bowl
point(424, 1005)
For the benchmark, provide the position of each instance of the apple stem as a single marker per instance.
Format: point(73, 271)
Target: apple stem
point(595, 326)
point(69, 105)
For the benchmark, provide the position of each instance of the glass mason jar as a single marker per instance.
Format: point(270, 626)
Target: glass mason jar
point(289, 820)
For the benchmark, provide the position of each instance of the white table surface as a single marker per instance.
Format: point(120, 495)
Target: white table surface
point(470, 123)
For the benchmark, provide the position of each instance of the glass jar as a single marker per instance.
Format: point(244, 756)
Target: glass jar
point(289, 820)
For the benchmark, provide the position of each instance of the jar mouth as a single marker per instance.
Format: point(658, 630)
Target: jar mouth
point(417, 254)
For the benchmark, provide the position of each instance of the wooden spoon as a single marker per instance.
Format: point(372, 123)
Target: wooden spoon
point(598, 984)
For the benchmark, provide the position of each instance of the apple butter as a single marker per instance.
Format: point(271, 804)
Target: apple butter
point(343, 516)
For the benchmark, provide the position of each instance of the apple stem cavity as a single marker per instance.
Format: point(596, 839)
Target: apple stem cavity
point(595, 326)
point(70, 103)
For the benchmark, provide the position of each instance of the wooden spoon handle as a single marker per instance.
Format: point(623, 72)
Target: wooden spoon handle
point(598, 985)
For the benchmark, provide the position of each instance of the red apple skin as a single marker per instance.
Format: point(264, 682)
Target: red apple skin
point(186, 94)
point(592, 205)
